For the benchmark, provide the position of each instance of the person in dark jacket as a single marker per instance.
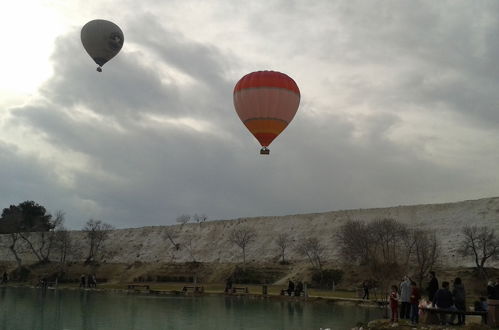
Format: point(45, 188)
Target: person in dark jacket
point(299, 289)
point(414, 300)
point(496, 289)
point(443, 299)
point(491, 291)
point(365, 287)
point(432, 286)
point(291, 287)
point(459, 296)
point(228, 285)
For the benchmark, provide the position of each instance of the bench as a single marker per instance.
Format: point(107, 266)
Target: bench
point(435, 311)
point(240, 289)
point(137, 287)
point(195, 289)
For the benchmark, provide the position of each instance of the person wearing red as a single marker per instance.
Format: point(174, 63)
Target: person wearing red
point(394, 303)
point(414, 300)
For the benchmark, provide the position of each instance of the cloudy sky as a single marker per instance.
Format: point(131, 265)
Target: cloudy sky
point(400, 105)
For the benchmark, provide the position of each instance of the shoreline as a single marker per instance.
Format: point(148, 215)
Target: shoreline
point(177, 293)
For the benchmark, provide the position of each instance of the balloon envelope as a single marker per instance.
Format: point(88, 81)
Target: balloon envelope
point(266, 102)
point(102, 40)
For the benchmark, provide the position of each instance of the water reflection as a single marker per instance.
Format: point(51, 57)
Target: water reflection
point(75, 310)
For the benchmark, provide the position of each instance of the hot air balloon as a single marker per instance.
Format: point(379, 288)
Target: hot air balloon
point(102, 40)
point(266, 102)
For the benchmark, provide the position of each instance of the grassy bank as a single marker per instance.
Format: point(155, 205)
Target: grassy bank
point(212, 276)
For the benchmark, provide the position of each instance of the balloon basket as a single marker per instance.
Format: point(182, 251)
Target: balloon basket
point(264, 151)
point(99, 69)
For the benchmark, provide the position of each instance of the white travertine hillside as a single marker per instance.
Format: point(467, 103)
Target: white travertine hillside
point(208, 242)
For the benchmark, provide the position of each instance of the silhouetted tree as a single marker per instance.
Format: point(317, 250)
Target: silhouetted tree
point(382, 241)
point(313, 250)
point(242, 237)
point(183, 219)
point(425, 253)
point(481, 244)
point(283, 241)
point(31, 223)
point(97, 232)
point(170, 233)
point(355, 242)
point(13, 216)
point(188, 243)
point(200, 218)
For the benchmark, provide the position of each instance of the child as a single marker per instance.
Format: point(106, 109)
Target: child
point(394, 303)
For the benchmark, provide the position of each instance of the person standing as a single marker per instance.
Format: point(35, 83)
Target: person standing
point(291, 287)
point(228, 285)
point(365, 286)
point(394, 303)
point(443, 299)
point(82, 281)
point(414, 299)
point(459, 296)
point(491, 291)
point(432, 287)
point(496, 289)
point(405, 295)
point(299, 289)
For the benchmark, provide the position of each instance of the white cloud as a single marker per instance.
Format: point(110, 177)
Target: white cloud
point(398, 106)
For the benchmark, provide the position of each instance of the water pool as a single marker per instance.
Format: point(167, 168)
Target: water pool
point(25, 308)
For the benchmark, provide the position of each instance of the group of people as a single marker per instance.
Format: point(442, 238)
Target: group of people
point(445, 298)
point(88, 281)
point(408, 296)
point(293, 290)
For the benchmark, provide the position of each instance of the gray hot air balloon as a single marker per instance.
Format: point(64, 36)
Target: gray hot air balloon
point(102, 40)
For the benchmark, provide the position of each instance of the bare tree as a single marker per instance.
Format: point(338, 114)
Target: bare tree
point(30, 224)
point(481, 244)
point(64, 247)
point(97, 233)
point(188, 239)
point(14, 247)
point(170, 233)
point(242, 237)
point(41, 243)
point(183, 219)
point(313, 250)
point(355, 242)
point(200, 218)
point(388, 240)
point(382, 245)
point(63, 244)
point(425, 253)
point(283, 241)
point(381, 241)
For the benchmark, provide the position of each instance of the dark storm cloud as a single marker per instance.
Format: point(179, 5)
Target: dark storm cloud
point(22, 177)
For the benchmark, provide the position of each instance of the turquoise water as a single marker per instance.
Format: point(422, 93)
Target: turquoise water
point(24, 308)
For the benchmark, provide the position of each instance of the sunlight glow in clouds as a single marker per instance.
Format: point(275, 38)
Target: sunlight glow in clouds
point(27, 30)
